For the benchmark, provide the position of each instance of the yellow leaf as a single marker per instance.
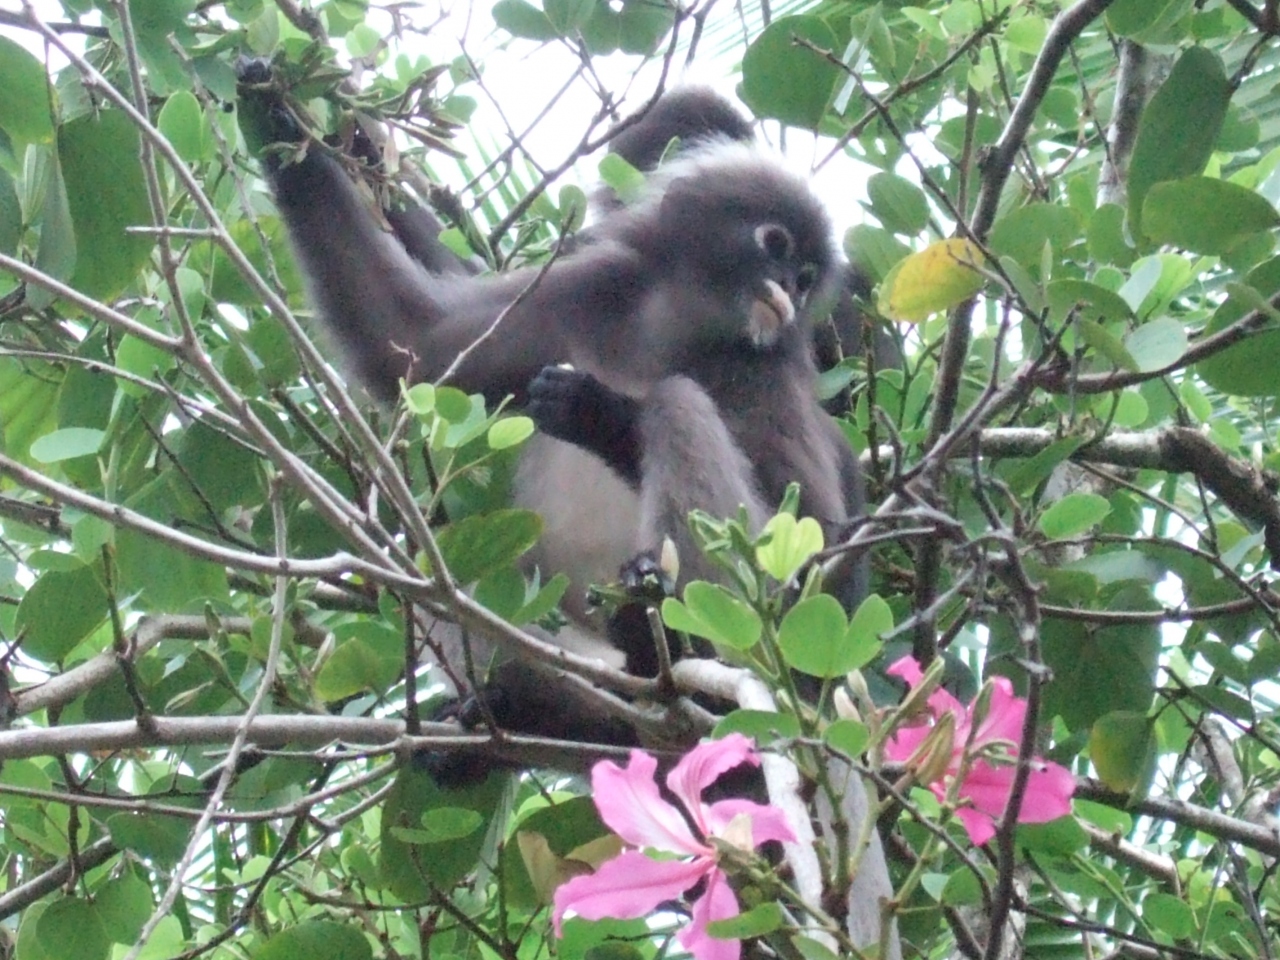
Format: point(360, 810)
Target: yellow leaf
point(939, 276)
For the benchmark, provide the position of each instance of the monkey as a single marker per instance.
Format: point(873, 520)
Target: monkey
point(686, 317)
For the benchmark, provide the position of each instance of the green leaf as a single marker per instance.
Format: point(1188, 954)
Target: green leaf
point(568, 15)
point(10, 215)
point(871, 620)
point(369, 659)
point(59, 610)
point(480, 544)
point(317, 940)
point(509, 432)
point(756, 922)
point(1204, 214)
point(813, 638)
point(71, 927)
point(1088, 300)
point(643, 25)
point(1074, 513)
point(1122, 747)
point(1246, 369)
point(762, 726)
point(410, 875)
point(67, 443)
point(1171, 916)
point(1157, 344)
point(621, 177)
point(183, 124)
point(151, 836)
point(711, 611)
point(171, 580)
point(848, 737)
point(874, 250)
point(124, 905)
point(105, 194)
point(789, 546)
point(26, 105)
point(441, 825)
point(1024, 477)
point(940, 276)
point(783, 80)
point(898, 203)
point(1023, 233)
point(522, 19)
point(1178, 127)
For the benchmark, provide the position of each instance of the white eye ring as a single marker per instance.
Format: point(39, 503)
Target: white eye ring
point(775, 240)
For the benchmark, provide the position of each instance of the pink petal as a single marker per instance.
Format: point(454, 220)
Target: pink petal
point(767, 823)
point(717, 903)
point(703, 765)
point(904, 743)
point(906, 669)
point(1004, 717)
point(979, 826)
point(987, 787)
point(941, 701)
point(629, 886)
point(1048, 795)
point(629, 802)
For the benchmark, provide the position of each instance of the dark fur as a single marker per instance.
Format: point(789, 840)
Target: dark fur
point(672, 406)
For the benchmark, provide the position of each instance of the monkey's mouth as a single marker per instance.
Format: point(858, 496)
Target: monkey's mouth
point(771, 310)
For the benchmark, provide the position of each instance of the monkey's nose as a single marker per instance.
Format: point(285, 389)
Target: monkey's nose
point(771, 310)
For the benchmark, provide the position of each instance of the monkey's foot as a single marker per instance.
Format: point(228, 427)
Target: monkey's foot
point(452, 769)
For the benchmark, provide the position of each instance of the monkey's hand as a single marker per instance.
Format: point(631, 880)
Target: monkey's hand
point(265, 117)
point(577, 408)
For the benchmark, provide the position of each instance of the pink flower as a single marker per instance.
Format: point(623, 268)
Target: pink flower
point(632, 885)
point(985, 786)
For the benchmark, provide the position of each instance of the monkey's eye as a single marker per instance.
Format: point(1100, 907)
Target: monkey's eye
point(806, 278)
point(775, 241)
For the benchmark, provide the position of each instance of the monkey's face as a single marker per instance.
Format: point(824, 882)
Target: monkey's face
point(753, 239)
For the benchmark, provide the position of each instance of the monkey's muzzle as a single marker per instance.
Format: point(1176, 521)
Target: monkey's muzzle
point(771, 310)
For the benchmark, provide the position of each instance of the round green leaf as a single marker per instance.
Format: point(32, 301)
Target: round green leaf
point(509, 431)
point(441, 825)
point(25, 106)
point(1172, 916)
point(784, 80)
point(317, 940)
point(709, 610)
point(71, 927)
point(1073, 514)
point(60, 610)
point(1246, 369)
point(813, 638)
point(1157, 344)
point(1178, 127)
point(124, 905)
point(898, 203)
point(1123, 750)
point(790, 544)
point(848, 736)
point(151, 836)
point(1023, 233)
point(480, 544)
point(522, 19)
point(67, 443)
point(762, 726)
point(756, 922)
point(1204, 214)
point(182, 122)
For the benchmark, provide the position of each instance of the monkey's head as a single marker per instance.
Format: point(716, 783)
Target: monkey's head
point(746, 241)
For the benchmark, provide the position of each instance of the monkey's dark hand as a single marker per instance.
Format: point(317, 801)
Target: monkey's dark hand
point(576, 407)
point(264, 116)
